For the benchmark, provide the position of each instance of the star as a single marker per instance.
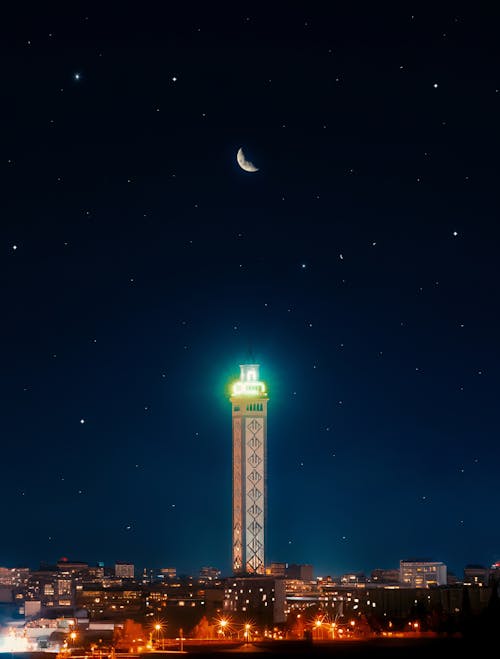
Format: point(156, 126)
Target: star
point(76, 76)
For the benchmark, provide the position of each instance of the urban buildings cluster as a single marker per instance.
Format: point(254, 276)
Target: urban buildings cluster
point(92, 602)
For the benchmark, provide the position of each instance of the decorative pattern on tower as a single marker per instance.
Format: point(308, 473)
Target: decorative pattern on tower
point(249, 401)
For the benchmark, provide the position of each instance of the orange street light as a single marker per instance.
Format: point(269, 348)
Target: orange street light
point(318, 623)
point(222, 625)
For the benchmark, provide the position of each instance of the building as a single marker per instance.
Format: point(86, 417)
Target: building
point(71, 567)
point(476, 575)
point(384, 576)
point(209, 573)
point(103, 603)
point(302, 572)
point(261, 599)
point(53, 588)
point(249, 421)
point(495, 573)
point(124, 570)
point(277, 569)
point(168, 572)
point(353, 578)
point(422, 573)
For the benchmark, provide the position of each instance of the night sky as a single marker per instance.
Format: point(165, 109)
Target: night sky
point(140, 265)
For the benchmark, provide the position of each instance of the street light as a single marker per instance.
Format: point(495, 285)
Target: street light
point(223, 625)
point(158, 629)
point(247, 632)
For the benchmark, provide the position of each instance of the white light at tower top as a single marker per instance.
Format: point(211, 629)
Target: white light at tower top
point(249, 383)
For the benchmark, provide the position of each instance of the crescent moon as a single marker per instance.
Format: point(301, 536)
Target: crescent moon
point(244, 163)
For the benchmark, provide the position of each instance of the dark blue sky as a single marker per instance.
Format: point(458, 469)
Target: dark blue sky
point(140, 265)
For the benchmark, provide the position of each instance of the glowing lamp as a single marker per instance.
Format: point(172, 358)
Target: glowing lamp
point(249, 383)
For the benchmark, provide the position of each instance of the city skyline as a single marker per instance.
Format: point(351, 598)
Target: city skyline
point(414, 572)
point(312, 186)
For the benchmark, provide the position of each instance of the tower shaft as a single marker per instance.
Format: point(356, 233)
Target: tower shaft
point(249, 421)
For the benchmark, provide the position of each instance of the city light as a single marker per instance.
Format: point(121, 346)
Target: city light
point(223, 625)
point(13, 641)
point(246, 633)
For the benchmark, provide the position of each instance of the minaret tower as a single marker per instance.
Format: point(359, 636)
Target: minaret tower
point(249, 401)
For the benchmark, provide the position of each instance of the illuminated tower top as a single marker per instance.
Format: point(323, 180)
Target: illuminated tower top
point(249, 383)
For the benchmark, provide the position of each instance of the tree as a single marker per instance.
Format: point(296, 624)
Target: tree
point(130, 637)
point(203, 629)
point(296, 625)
